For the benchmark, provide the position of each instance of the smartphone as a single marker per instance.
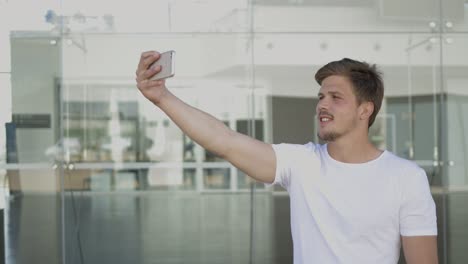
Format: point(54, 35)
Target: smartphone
point(166, 60)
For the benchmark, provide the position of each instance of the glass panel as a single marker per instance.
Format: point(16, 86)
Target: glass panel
point(138, 189)
point(244, 182)
point(216, 178)
point(455, 163)
point(5, 116)
point(350, 16)
point(36, 124)
point(33, 214)
point(30, 16)
point(454, 16)
point(125, 149)
point(407, 123)
point(143, 16)
point(189, 179)
point(31, 205)
point(26, 35)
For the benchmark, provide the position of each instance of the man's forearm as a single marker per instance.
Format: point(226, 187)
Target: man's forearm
point(206, 130)
point(420, 249)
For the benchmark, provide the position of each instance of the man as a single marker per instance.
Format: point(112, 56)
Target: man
point(350, 202)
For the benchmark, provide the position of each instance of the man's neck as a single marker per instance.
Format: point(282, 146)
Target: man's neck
point(353, 150)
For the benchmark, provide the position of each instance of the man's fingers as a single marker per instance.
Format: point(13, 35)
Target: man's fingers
point(147, 53)
point(143, 56)
point(150, 72)
point(144, 64)
point(146, 74)
point(146, 59)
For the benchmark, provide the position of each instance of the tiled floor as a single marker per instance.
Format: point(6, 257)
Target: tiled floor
point(173, 227)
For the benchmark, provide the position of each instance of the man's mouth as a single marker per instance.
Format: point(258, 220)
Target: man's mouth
point(324, 118)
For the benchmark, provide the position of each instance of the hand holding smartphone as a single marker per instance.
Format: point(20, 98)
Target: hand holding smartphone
point(167, 63)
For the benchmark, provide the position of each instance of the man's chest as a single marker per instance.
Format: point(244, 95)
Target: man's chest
point(352, 203)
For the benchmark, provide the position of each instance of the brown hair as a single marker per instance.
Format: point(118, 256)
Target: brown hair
point(365, 78)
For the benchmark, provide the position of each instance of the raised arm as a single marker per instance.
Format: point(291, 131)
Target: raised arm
point(255, 158)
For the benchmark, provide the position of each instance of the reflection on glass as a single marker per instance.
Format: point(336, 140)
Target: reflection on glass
point(32, 213)
point(111, 179)
point(108, 121)
point(366, 15)
point(216, 178)
point(245, 127)
point(99, 180)
point(189, 149)
point(104, 131)
point(244, 182)
point(382, 132)
point(457, 140)
point(189, 180)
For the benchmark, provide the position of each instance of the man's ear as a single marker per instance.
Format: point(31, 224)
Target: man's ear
point(366, 110)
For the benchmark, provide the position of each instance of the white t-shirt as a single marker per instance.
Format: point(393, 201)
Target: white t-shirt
point(352, 213)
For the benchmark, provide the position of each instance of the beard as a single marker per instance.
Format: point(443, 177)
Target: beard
point(329, 137)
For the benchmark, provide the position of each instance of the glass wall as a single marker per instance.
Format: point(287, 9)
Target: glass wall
point(103, 175)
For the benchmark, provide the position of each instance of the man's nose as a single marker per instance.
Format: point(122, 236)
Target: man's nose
point(322, 105)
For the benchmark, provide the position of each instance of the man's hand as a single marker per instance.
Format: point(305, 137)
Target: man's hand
point(154, 90)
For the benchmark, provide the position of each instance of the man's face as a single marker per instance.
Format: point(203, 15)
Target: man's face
point(337, 109)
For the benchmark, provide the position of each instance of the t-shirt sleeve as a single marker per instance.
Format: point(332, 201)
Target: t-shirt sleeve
point(284, 157)
point(417, 211)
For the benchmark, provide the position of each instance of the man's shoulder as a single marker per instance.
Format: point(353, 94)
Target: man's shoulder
point(405, 166)
point(408, 175)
